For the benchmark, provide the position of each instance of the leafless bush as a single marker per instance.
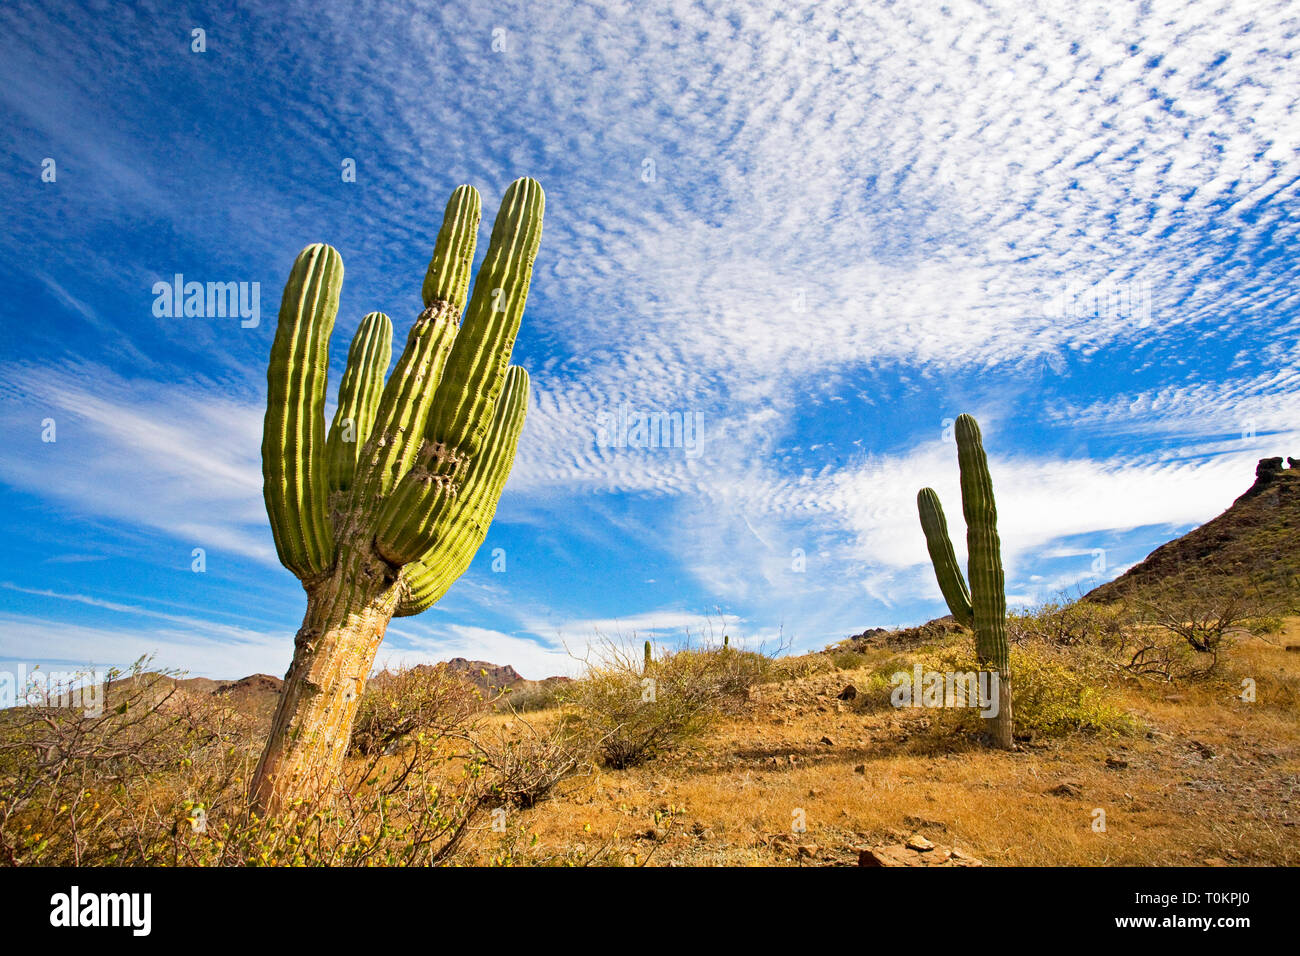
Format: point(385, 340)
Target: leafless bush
point(1067, 623)
point(161, 779)
point(1182, 628)
point(428, 700)
point(68, 779)
point(628, 714)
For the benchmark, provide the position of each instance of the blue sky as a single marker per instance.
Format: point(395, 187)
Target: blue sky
point(824, 229)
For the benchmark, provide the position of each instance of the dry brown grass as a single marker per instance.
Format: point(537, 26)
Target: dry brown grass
point(1212, 779)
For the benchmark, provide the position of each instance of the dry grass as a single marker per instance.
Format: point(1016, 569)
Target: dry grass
point(1212, 779)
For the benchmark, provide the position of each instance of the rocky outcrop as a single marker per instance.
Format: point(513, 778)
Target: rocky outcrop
point(1253, 542)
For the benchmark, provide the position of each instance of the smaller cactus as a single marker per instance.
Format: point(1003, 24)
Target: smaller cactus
point(648, 658)
point(983, 605)
point(726, 642)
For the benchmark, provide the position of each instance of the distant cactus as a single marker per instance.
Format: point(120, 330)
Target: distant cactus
point(378, 517)
point(726, 642)
point(649, 659)
point(982, 606)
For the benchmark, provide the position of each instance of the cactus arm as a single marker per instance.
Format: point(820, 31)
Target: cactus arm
point(363, 383)
point(416, 512)
point(984, 561)
point(295, 483)
point(447, 278)
point(404, 406)
point(429, 578)
point(942, 556)
point(477, 368)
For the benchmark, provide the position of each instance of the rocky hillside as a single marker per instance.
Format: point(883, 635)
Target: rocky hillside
point(1255, 544)
point(487, 677)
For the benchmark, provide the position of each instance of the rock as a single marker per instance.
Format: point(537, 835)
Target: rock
point(1115, 763)
point(1214, 861)
point(919, 843)
point(1067, 788)
point(1205, 751)
point(828, 742)
point(860, 768)
point(809, 850)
point(897, 854)
point(848, 693)
point(881, 856)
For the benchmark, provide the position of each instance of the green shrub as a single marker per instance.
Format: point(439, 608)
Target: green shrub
point(1053, 696)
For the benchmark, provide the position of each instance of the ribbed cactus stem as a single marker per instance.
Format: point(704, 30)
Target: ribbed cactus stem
point(381, 515)
point(951, 582)
point(418, 512)
point(294, 479)
point(983, 548)
point(649, 658)
point(428, 579)
point(363, 383)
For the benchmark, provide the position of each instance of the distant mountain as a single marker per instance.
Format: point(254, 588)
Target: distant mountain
point(1255, 544)
point(487, 677)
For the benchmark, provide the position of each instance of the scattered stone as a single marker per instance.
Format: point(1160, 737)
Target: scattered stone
point(848, 693)
point(809, 851)
point(1066, 789)
point(919, 843)
point(828, 742)
point(1115, 763)
point(1204, 750)
point(860, 768)
point(1214, 861)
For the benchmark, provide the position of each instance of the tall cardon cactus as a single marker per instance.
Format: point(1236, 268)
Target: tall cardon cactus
point(379, 515)
point(983, 605)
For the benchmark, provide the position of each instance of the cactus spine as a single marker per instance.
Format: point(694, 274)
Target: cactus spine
point(983, 605)
point(379, 516)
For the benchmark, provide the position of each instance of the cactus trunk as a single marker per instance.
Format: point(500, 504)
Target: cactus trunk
point(347, 616)
point(381, 517)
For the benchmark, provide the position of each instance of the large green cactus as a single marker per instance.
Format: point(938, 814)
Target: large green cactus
point(982, 606)
point(381, 514)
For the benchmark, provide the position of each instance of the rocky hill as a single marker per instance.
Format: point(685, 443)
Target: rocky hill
point(1255, 544)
